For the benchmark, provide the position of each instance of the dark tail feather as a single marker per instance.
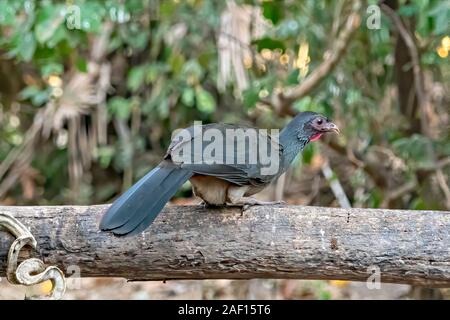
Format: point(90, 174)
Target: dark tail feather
point(139, 205)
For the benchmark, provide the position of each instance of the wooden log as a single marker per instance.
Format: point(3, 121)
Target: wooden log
point(296, 242)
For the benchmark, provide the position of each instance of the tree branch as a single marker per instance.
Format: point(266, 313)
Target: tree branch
point(263, 242)
point(284, 100)
point(422, 97)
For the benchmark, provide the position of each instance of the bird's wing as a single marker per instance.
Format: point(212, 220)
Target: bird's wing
point(204, 162)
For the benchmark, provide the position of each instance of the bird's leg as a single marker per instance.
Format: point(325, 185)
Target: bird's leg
point(236, 198)
point(247, 202)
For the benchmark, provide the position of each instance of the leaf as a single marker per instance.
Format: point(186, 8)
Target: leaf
point(441, 15)
point(114, 43)
point(251, 97)
point(167, 8)
point(353, 96)
point(303, 104)
point(188, 97)
point(35, 95)
point(163, 109)
point(28, 92)
point(7, 14)
point(40, 98)
point(48, 20)
point(205, 101)
point(120, 107)
point(192, 69)
point(59, 36)
point(269, 43)
point(441, 22)
point(27, 46)
point(138, 40)
point(105, 154)
point(292, 78)
point(419, 204)
point(205, 59)
point(375, 199)
point(408, 10)
point(325, 295)
point(308, 153)
point(152, 74)
point(82, 65)
point(136, 77)
point(176, 62)
point(52, 68)
point(91, 16)
point(272, 11)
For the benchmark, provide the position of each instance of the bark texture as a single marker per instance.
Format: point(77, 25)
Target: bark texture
point(190, 242)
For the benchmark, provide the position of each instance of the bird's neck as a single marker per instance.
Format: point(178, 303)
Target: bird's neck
point(293, 143)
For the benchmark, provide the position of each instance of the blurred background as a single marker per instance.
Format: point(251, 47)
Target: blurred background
point(90, 92)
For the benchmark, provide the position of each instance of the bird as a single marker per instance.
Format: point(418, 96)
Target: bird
point(217, 183)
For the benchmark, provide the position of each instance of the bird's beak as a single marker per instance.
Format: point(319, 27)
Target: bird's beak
point(331, 127)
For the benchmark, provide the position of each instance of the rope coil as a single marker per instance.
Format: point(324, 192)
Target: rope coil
point(31, 271)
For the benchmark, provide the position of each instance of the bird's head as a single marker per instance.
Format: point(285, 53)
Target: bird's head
point(312, 125)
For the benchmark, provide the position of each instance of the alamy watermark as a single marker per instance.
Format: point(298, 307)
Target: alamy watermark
point(373, 21)
point(73, 14)
point(73, 277)
point(374, 280)
point(73, 17)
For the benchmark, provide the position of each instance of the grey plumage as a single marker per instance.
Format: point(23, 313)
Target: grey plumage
point(136, 209)
point(143, 201)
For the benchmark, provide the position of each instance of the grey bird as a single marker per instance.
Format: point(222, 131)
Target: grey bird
point(215, 182)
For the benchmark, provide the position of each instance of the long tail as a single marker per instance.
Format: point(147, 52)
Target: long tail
point(136, 209)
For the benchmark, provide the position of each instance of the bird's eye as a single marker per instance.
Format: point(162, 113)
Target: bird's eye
point(319, 121)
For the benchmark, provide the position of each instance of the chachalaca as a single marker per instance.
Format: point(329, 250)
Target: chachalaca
point(216, 182)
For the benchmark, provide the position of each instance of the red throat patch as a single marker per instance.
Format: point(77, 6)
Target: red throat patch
point(315, 137)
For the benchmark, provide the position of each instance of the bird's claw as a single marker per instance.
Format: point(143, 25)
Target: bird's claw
point(248, 205)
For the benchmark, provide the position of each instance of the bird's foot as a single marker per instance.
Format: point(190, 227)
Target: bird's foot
point(246, 203)
point(261, 203)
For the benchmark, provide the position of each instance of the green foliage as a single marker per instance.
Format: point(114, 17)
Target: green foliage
point(205, 101)
point(35, 95)
point(250, 97)
point(136, 77)
point(308, 153)
point(416, 150)
point(120, 107)
point(164, 69)
point(273, 11)
point(269, 43)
